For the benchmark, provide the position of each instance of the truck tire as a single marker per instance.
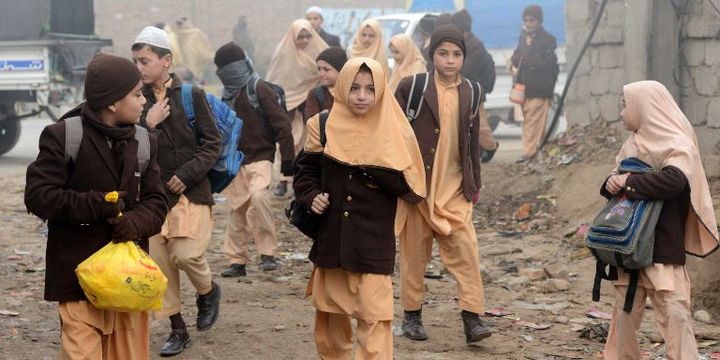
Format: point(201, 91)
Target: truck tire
point(9, 133)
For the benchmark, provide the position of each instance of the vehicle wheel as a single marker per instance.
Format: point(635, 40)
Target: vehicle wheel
point(9, 132)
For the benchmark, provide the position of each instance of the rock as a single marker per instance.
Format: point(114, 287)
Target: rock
point(514, 281)
point(561, 319)
point(523, 212)
point(533, 274)
point(557, 271)
point(702, 316)
point(557, 284)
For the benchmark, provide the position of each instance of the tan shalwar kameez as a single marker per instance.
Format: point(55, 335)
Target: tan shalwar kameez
point(535, 113)
point(445, 215)
point(90, 333)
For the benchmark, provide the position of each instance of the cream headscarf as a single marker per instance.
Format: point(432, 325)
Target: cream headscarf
point(295, 69)
point(412, 63)
point(376, 50)
point(663, 136)
point(381, 138)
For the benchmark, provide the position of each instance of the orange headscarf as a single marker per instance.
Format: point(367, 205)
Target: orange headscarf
point(295, 69)
point(376, 50)
point(381, 138)
point(412, 63)
point(663, 136)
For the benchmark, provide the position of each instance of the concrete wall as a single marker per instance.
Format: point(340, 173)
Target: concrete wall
point(639, 40)
point(268, 20)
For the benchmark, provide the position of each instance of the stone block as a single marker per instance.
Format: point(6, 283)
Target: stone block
point(610, 56)
point(594, 108)
point(703, 28)
point(713, 114)
point(610, 107)
point(599, 80)
point(612, 35)
point(706, 80)
point(712, 52)
point(694, 51)
point(695, 108)
point(577, 10)
point(615, 13)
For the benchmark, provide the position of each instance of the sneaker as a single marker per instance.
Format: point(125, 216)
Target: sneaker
point(234, 270)
point(268, 263)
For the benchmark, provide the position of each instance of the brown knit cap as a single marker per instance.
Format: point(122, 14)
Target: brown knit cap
point(462, 19)
point(534, 11)
point(447, 33)
point(108, 79)
point(334, 56)
point(443, 19)
point(228, 53)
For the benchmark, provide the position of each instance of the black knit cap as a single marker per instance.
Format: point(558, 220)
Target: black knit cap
point(443, 19)
point(427, 23)
point(108, 79)
point(447, 33)
point(534, 11)
point(462, 19)
point(334, 56)
point(228, 53)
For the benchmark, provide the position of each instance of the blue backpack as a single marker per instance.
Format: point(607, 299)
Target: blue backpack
point(230, 128)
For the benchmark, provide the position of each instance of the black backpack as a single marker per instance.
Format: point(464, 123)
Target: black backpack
point(255, 101)
point(417, 95)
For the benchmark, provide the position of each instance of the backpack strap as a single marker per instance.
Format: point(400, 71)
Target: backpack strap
point(320, 95)
point(475, 94)
point(73, 137)
point(187, 102)
point(632, 288)
point(143, 151)
point(323, 121)
point(415, 100)
point(252, 94)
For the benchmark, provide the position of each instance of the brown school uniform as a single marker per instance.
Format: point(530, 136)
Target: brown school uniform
point(313, 105)
point(448, 137)
point(188, 154)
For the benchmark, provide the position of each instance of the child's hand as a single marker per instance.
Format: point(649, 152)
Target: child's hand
point(320, 203)
point(616, 183)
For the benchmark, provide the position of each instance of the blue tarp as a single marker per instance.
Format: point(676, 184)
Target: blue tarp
point(498, 22)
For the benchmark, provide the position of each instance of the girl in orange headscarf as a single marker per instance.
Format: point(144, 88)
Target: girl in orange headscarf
point(408, 59)
point(663, 138)
point(293, 68)
point(368, 42)
point(352, 182)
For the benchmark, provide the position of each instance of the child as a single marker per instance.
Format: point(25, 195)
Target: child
point(186, 153)
point(663, 138)
point(353, 182)
point(329, 63)
point(408, 59)
point(447, 131)
point(250, 217)
point(368, 42)
point(70, 196)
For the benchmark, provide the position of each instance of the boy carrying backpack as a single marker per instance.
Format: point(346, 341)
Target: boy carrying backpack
point(94, 149)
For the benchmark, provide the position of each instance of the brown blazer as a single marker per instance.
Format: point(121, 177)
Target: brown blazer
point(313, 105)
point(261, 131)
point(356, 232)
point(181, 151)
point(427, 130)
point(70, 196)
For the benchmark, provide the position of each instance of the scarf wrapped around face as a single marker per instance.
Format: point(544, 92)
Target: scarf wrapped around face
point(235, 76)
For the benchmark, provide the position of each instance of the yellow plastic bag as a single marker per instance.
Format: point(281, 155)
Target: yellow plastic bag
point(122, 277)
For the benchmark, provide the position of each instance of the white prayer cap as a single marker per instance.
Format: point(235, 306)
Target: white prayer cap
point(153, 36)
point(314, 10)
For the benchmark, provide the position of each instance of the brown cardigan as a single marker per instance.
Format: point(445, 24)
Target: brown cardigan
point(427, 130)
point(181, 151)
point(70, 197)
point(671, 186)
point(312, 104)
point(356, 232)
point(261, 131)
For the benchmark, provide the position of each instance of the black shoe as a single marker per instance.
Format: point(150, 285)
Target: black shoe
point(281, 188)
point(178, 341)
point(234, 270)
point(487, 155)
point(413, 327)
point(268, 263)
point(208, 308)
point(474, 328)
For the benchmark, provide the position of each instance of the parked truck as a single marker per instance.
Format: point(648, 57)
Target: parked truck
point(45, 46)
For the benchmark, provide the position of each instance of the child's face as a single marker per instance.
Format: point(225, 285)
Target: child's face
point(448, 59)
point(622, 116)
point(152, 67)
point(367, 36)
point(315, 19)
point(362, 93)
point(128, 109)
point(326, 73)
point(531, 24)
point(303, 39)
point(396, 54)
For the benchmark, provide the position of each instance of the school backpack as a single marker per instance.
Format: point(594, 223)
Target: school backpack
point(229, 125)
point(623, 235)
point(302, 218)
point(74, 134)
point(417, 95)
point(255, 100)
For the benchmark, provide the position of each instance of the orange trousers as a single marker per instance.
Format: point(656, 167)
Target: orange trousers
point(535, 111)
